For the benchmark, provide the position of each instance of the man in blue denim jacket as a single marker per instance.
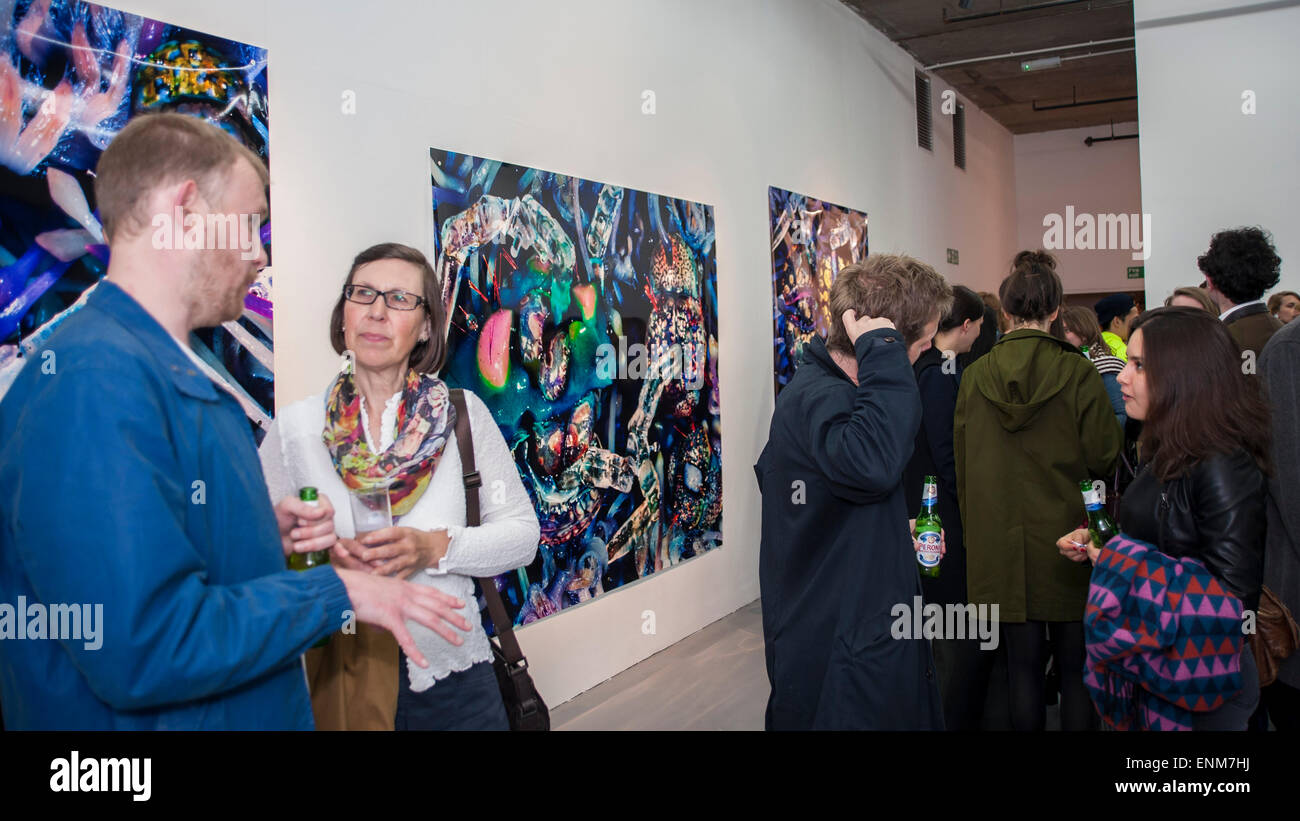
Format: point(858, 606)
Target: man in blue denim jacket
point(133, 495)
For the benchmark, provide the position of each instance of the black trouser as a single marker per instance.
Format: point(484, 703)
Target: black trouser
point(1283, 704)
point(1027, 649)
point(465, 700)
point(964, 671)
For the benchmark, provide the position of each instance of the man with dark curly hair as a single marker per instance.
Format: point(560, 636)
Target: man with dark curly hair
point(1239, 267)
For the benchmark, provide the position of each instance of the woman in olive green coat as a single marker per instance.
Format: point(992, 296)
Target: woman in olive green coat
point(1032, 421)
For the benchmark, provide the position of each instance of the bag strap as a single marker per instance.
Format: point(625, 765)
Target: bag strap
point(472, 481)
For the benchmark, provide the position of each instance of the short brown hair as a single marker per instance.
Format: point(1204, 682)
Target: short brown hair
point(160, 149)
point(994, 304)
point(1083, 323)
point(1275, 301)
point(1033, 289)
point(900, 288)
point(1198, 294)
point(428, 356)
point(1200, 399)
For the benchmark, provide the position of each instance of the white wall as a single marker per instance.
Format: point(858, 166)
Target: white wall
point(1206, 165)
point(793, 93)
point(1054, 170)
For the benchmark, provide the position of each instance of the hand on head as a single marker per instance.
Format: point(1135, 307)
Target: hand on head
point(856, 326)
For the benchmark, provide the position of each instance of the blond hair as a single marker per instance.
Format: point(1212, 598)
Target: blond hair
point(900, 288)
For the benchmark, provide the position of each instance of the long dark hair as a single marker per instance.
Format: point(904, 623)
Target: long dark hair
point(1201, 400)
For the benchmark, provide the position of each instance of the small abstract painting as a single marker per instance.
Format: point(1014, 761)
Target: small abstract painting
point(811, 241)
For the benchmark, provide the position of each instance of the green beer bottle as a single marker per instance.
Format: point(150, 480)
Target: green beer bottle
point(929, 530)
point(1101, 527)
point(306, 561)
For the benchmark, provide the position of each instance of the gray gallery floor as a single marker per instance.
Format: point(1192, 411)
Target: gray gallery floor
point(714, 679)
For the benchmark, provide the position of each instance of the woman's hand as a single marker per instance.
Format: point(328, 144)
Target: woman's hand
point(400, 551)
point(916, 545)
point(305, 528)
point(1077, 545)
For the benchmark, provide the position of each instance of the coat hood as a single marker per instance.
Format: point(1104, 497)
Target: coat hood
point(816, 353)
point(1025, 370)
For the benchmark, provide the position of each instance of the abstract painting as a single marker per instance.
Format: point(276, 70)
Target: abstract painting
point(811, 241)
point(585, 315)
point(71, 75)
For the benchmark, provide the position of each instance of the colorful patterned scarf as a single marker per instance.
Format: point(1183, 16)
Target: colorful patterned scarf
point(425, 420)
point(1164, 638)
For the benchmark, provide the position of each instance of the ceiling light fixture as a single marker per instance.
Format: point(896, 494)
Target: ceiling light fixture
point(1041, 63)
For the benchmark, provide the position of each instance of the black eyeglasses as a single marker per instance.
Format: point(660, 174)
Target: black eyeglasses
point(397, 300)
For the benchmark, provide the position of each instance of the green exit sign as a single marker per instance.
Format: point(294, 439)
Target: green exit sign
point(1136, 272)
point(952, 256)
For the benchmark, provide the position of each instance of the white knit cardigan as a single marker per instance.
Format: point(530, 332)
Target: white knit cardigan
point(293, 455)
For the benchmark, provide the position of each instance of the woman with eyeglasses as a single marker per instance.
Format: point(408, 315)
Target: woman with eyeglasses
point(387, 421)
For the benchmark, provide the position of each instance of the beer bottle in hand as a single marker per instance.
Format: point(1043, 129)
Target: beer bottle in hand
point(929, 530)
point(1101, 527)
point(306, 561)
point(317, 558)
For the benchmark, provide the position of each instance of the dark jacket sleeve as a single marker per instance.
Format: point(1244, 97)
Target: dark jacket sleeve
point(863, 452)
point(1228, 508)
point(938, 392)
point(959, 438)
point(1280, 366)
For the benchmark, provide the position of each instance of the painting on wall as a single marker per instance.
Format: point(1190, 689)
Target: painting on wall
point(72, 74)
point(585, 315)
point(811, 241)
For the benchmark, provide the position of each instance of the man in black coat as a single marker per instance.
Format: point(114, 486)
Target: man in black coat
point(1280, 366)
point(836, 556)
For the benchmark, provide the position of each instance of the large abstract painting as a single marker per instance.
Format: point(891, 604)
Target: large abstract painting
point(811, 241)
point(71, 75)
point(585, 316)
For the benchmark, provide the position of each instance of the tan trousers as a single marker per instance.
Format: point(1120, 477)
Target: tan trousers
point(353, 680)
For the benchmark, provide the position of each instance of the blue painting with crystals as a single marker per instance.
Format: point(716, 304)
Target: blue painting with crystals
point(585, 315)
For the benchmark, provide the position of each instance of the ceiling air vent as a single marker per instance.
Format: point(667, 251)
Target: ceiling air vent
point(924, 124)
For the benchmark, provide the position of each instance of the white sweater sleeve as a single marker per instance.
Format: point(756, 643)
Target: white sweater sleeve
point(271, 452)
point(508, 535)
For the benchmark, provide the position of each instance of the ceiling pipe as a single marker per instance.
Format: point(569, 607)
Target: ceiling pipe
point(1016, 54)
point(1001, 12)
point(1088, 141)
point(1077, 104)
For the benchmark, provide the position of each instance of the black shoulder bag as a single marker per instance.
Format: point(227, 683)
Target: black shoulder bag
point(524, 707)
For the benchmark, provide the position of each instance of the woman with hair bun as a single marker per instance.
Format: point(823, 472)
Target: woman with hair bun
point(1032, 420)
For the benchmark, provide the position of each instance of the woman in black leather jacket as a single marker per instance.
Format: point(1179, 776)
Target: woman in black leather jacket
point(1204, 445)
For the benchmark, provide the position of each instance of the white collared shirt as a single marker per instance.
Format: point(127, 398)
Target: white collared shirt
point(1224, 316)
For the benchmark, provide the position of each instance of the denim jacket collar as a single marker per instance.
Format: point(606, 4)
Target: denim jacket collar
point(134, 319)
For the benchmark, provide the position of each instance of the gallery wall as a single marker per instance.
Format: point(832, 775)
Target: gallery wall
point(1056, 170)
point(1207, 164)
point(800, 94)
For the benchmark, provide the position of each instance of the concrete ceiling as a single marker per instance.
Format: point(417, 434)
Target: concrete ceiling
point(939, 31)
